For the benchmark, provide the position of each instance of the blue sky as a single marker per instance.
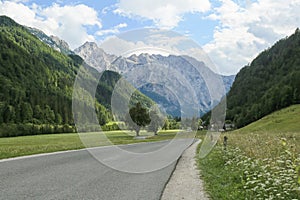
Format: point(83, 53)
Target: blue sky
point(231, 32)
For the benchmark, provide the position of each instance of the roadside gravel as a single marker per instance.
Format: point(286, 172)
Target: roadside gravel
point(185, 182)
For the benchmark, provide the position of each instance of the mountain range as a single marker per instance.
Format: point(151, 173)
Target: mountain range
point(140, 69)
point(101, 61)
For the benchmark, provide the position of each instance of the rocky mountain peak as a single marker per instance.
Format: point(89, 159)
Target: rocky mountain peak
point(90, 45)
point(95, 56)
point(59, 42)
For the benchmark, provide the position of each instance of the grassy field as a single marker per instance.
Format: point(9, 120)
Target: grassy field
point(262, 160)
point(28, 145)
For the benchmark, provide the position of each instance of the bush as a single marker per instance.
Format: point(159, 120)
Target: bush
point(110, 127)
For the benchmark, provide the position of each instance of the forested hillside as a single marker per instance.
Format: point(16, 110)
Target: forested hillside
point(36, 84)
point(269, 83)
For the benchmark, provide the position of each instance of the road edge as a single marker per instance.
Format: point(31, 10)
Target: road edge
point(185, 182)
point(195, 140)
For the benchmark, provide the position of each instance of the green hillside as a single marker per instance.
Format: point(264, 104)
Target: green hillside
point(269, 83)
point(35, 80)
point(36, 84)
point(282, 121)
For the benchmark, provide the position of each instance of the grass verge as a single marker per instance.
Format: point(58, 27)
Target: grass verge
point(232, 174)
point(28, 145)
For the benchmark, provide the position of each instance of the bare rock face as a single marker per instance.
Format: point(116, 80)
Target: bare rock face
point(60, 43)
point(95, 56)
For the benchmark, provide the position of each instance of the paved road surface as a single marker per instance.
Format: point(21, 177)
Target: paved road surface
point(77, 175)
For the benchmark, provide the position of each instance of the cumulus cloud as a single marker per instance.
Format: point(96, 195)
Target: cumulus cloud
point(19, 0)
point(122, 47)
point(165, 14)
point(144, 41)
point(245, 30)
point(114, 30)
point(67, 22)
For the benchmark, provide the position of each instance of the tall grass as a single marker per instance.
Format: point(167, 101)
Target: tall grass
point(234, 174)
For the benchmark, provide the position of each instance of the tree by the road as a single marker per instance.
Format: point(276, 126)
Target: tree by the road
point(157, 120)
point(166, 124)
point(137, 118)
point(194, 124)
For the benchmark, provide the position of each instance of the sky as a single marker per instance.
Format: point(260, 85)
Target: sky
point(231, 32)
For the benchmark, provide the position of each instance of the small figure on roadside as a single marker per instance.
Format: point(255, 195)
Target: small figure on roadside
point(225, 142)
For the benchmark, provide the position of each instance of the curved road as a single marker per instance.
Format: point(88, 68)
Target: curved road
point(77, 175)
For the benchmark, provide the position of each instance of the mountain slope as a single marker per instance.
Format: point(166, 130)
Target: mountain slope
point(52, 41)
point(34, 78)
point(269, 83)
point(36, 84)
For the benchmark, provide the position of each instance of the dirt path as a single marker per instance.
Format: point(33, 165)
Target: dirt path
point(185, 182)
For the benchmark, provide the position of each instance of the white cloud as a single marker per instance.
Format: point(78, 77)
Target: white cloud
point(147, 40)
point(121, 47)
point(114, 30)
point(118, 46)
point(244, 31)
point(122, 25)
point(67, 22)
point(165, 14)
point(71, 22)
point(17, 11)
point(19, 0)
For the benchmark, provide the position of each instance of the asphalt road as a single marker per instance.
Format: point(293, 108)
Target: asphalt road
point(78, 175)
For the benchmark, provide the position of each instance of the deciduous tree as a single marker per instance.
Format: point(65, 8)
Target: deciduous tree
point(137, 118)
